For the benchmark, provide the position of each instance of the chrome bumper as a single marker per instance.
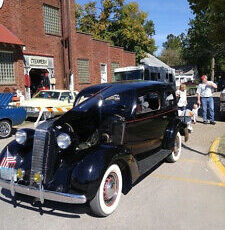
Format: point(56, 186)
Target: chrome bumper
point(43, 194)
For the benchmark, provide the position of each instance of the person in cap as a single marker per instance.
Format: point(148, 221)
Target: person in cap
point(205, 98)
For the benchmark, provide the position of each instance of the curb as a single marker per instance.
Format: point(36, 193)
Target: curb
point(215, 158)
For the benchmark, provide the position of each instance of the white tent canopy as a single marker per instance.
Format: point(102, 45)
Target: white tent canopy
point(152, 61)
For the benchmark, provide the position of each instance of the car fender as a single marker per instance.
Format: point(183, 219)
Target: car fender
point(88, 173)
point(15, 115)
point(176, 125)
point(22, 154)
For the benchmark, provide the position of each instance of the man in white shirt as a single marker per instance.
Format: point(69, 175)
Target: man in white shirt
point(205, 93)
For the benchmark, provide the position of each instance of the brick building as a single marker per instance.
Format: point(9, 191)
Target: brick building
point(39, 45)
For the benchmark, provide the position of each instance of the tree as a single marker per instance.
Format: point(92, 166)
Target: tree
point(215, 9)
point(205, 41)
point(172, 50)
point(86, 17)
point(122, 24)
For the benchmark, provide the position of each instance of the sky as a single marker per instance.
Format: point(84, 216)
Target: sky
point(169, 16)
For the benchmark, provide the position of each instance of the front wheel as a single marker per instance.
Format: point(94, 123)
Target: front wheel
point(175, 155)
point(107, 198)
point(5, 129)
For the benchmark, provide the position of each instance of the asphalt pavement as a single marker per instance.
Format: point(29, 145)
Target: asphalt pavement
point(186, 195)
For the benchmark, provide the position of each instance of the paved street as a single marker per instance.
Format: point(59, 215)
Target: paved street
point(186, 195)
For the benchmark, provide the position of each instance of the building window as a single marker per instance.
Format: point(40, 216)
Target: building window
point(51, 20)
point(114, 65)
point(6, 68)
point(83, 71)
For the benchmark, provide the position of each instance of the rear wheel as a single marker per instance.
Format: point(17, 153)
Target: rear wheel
point(107, 198)
point(5, 128)
point(175, 155)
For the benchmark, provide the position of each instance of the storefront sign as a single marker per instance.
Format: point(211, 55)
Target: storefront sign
point(38, 61)
point(1, 3)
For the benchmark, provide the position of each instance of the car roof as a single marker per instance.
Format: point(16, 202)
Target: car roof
point(126, 85)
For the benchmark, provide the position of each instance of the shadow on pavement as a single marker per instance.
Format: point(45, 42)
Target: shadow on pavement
point(219, 154)
point(56, 208)
point(194, 150)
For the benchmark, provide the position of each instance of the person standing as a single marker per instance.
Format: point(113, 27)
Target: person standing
point(205, 97)
point(182, 97)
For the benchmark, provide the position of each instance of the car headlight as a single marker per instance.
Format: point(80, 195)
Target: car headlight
point(21, 137)
point(63, 141)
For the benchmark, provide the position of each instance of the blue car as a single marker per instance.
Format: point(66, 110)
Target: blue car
point(9, 116)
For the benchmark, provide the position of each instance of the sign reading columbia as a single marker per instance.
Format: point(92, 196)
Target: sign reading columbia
point(38, 61)
point(1, 3)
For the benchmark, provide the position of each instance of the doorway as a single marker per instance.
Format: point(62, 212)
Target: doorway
point(39, 80)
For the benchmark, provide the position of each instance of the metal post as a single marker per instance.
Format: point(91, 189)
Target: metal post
point(213, 69)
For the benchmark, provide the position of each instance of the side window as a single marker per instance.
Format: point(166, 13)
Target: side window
point(112, 100)
point(171, 77)
point(65, 96)
point(170, 99)
point(148, 102)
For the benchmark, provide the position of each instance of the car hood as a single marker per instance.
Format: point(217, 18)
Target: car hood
point(5, 98)
point(39, 102)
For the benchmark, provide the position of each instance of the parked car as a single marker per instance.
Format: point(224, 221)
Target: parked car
point(49, 99)
point(9, 116)
point(222, 104)
point(114, 134)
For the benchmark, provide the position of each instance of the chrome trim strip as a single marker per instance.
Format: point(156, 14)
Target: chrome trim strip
point(47, 195)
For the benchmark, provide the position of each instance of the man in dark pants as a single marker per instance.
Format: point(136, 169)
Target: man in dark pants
point(205, 93)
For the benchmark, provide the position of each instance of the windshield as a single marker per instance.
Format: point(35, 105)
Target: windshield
point(86, 94)
point(129, 75)
point(47, 95)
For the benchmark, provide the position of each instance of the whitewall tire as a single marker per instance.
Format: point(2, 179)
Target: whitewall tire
point(175, 155)
point(108, 196)
point(5, 129)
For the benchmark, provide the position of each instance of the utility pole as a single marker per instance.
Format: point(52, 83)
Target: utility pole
point(213, 69)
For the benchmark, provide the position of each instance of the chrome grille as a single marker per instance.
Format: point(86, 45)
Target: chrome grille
point(41, 139)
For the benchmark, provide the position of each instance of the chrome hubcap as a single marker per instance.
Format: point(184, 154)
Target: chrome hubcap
point(111, 189)
point(4, 129)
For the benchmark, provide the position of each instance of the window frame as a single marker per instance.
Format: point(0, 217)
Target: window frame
point(145, 93)
point(89, 75)
point(13, 66)
point(113, 79)
point(60, 17)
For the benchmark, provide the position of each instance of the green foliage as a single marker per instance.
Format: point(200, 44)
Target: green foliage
point(215, 10)
point(122, 24)
point(172, 53)
point(206, 35)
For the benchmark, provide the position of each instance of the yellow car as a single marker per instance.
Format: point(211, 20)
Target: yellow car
point(51, 102)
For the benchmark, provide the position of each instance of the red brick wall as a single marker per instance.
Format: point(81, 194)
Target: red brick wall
point(98, 52)
point(25, 19)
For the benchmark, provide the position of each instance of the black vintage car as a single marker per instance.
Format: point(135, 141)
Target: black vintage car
point(114, 133)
